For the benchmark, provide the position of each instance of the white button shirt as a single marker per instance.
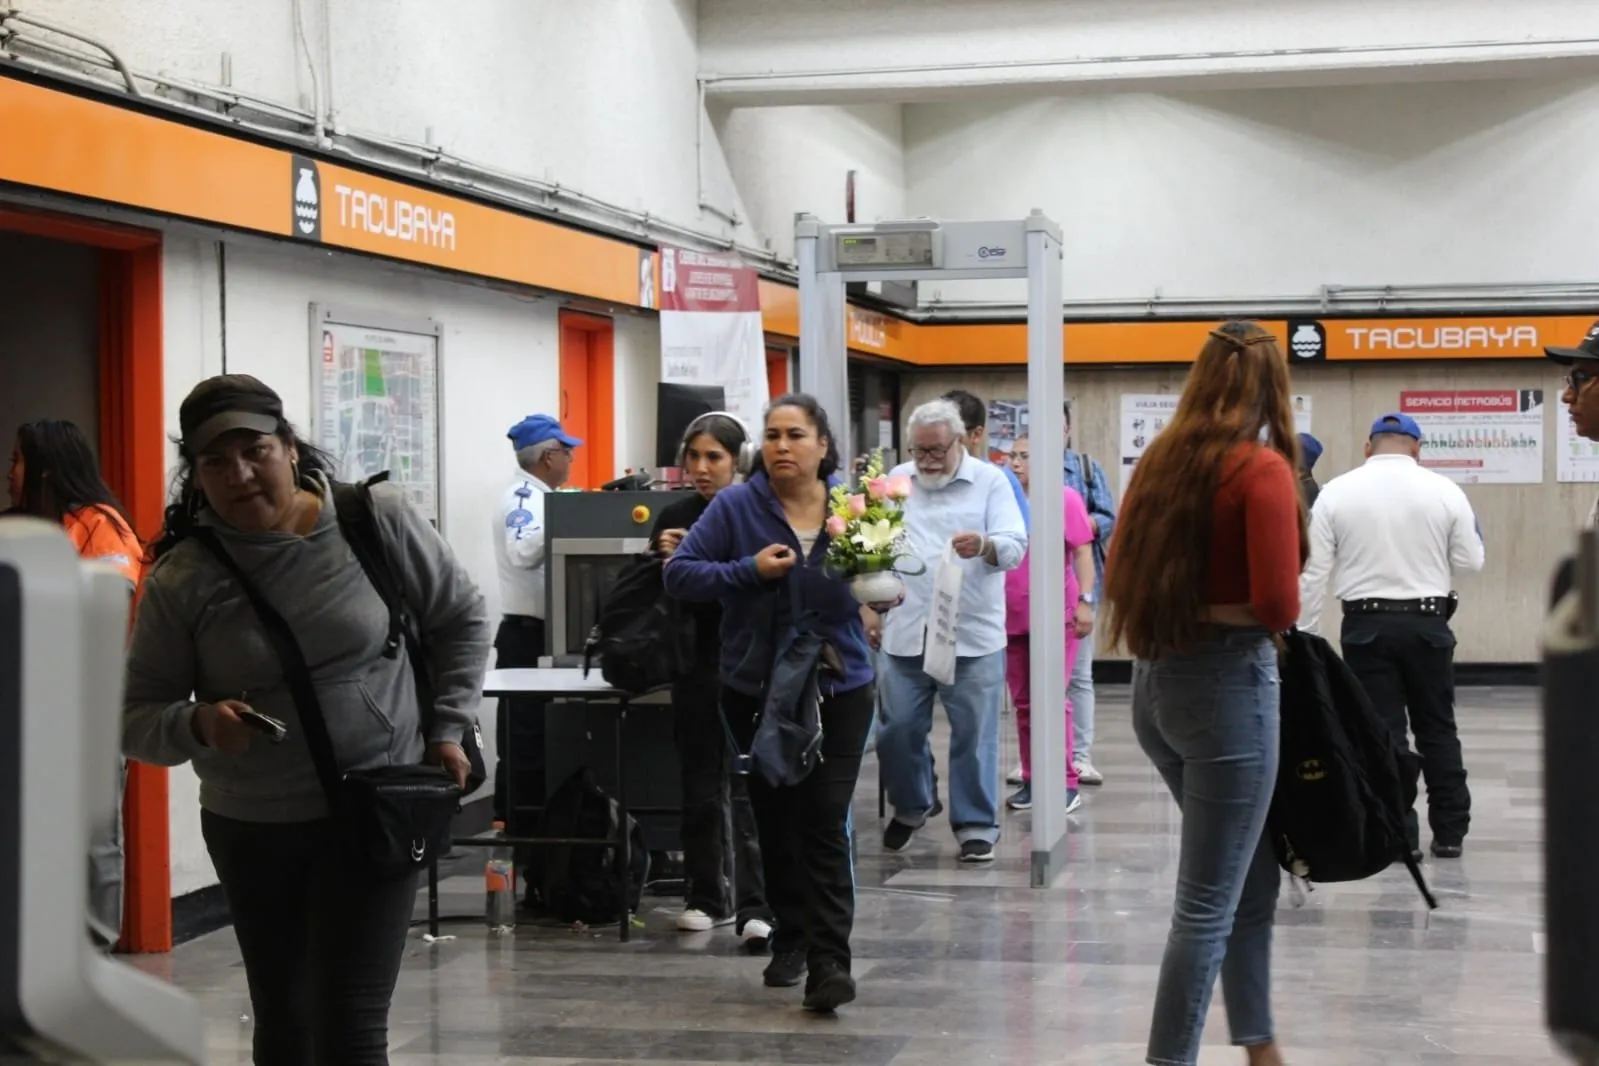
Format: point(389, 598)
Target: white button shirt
point(1390, 529)
point(519, 546)
point(977, 500)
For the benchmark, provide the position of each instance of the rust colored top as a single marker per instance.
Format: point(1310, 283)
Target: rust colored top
point(1254, 543)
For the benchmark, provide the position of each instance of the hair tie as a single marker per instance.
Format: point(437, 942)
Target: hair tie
point(1240, 343)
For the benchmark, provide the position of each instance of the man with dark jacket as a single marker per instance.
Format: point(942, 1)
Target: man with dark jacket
point(1309, 450)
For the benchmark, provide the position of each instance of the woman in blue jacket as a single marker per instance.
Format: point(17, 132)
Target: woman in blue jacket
point(753, 540)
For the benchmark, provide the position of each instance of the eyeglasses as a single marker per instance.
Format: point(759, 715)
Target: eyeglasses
point(1578, 378)
point(932, 453)
point(1020, 454)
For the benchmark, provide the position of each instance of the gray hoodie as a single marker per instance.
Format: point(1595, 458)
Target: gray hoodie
point(196, 638)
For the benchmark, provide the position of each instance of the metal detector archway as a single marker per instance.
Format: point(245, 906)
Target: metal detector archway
point(927, 250)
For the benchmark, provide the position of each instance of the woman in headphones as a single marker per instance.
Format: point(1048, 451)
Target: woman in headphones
point(721, 852)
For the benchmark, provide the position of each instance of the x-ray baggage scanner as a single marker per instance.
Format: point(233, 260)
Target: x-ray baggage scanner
point(927, 250)
point(63, 631)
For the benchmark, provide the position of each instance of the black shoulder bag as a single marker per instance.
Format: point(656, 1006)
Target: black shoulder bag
point(393, 820)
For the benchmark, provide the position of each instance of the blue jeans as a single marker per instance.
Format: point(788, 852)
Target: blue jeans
point(905, 756)
point(1208, 720)
point(1080, 690)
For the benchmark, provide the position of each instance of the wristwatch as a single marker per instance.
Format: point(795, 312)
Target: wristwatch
point(1087, 597)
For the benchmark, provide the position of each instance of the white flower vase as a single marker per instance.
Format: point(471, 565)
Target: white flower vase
point(883, 586)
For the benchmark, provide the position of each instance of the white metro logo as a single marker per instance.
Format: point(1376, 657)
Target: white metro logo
point(393, 217)
point(1429, 338)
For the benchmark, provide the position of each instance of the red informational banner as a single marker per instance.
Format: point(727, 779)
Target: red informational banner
point(1497, 401)
point(707, 281)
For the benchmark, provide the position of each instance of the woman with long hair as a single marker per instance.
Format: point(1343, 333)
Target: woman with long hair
point(321, 936)
point(55, 476)
point(1202, 573)
point(760, 549)
point(721, 846)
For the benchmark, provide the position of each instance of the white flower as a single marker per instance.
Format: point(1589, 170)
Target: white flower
point(875, 536)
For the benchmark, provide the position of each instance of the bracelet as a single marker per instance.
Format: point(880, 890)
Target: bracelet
point(982, 544)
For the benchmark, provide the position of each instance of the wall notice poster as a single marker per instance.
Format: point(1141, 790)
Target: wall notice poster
point(1007, 421)
point(1576, 458)
point(1146, 414)
point(711, 331)
point(376, 396)
point(1480, 436)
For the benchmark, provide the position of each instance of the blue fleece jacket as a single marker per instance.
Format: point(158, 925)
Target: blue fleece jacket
point(716, 561)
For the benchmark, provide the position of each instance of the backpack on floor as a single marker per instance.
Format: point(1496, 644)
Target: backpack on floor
point(577, 882)
point(641, 637)
point(1343, 793)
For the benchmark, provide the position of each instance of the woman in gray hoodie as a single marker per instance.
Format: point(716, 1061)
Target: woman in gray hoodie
point(321, 943)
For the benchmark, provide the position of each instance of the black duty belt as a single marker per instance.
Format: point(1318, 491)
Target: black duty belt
point(1433, 606)
point(522, 621)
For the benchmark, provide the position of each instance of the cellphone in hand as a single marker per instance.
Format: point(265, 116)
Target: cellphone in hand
point(275, 730)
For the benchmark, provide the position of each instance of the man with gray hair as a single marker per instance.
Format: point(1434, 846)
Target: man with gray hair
point(964, 504)
point(544, 453)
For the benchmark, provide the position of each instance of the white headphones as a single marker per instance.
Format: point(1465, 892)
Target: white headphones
point(742, 462)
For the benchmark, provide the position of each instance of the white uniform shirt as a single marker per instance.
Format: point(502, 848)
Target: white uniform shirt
point(519, 546)
point(977, 500)
point(1390, 530)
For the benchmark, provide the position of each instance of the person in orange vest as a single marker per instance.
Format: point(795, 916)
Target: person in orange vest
point(55, 476)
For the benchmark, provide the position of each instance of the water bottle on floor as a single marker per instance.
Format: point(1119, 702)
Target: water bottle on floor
point(499, 885)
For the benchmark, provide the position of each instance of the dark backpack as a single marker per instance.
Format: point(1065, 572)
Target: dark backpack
point(353, 506)
point(787, 743)
point(577, 882)
point(1338, 813)
point(641, 637)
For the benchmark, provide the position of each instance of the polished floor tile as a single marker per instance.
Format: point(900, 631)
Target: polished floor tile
point(970, 966)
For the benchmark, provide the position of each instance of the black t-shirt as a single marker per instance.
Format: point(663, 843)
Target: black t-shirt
point(682, 513)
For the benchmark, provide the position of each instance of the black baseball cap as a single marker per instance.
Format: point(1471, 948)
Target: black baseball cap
point(226, 403)
point(1586, 352)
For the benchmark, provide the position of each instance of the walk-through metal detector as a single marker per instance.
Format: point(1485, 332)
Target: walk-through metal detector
point(927, 250)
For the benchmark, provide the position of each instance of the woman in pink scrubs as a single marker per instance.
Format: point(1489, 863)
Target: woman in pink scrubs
point(1080, 574)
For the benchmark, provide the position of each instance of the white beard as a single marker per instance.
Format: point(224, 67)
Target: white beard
point(934, 482)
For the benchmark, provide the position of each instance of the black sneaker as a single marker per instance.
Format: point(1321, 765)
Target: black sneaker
point(1446, 851)
point(977, 851)
point(786, 969)
point(1021, 799)
point(829, 988)
point(897, 837)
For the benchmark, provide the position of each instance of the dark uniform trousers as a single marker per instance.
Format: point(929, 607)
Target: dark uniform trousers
point(1407, 662)
point(519, 726)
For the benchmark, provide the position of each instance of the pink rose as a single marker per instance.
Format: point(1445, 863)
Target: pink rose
point(877, 488)
point(835, 526)
point(899, 486)
point(857, 505)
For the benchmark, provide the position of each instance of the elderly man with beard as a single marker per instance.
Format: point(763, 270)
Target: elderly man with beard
point(966, 504)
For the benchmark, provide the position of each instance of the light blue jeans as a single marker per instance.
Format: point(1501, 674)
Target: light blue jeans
point(905, 757)
point(1080, 690)
point(1208, 720)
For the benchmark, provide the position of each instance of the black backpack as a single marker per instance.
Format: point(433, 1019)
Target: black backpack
point(576, 882)
point(642, 638)
point(353, 505)
point(1338, 813)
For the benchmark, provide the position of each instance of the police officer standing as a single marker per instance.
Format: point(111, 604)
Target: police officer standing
point(1389, 533)
point(544, 454)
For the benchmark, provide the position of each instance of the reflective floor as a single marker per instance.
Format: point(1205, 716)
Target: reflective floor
point(961, 965)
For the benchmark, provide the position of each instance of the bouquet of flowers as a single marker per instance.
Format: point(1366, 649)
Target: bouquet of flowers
point(867, 531)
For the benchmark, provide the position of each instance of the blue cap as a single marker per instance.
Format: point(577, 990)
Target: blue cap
point(1396, 423)
point(536, 429)
point(1310, 449)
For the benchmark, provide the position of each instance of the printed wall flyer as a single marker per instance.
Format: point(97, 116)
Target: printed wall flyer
point(1146, 414)
point(1576, 458)
point(1480, 436)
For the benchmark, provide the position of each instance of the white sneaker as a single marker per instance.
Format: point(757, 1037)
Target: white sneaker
point(1015, 776)
point(756, 929)
point(1087, 775)
point(697, 921)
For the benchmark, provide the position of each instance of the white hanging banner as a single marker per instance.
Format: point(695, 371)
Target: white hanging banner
point(711, 330)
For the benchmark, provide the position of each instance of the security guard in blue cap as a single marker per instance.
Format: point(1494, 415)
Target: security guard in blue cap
point(544, 453)
point(1390, 533)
